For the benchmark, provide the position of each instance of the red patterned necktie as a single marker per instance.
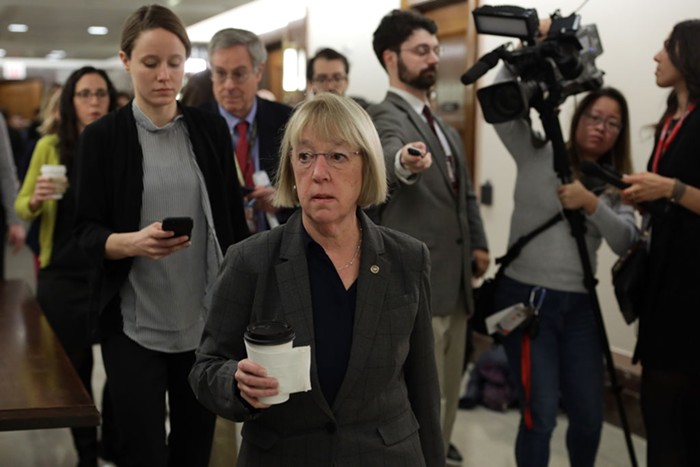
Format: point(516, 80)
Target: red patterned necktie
point(451, 168)
point(243, 153)
point(429, 117)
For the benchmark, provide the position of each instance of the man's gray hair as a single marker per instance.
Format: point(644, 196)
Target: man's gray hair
point(231, 37)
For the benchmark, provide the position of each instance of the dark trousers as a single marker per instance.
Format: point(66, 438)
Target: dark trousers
point(138, 380)
point(566, 363)
point(671, 409)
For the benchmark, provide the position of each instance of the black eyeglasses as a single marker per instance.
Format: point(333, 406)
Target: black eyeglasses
point(323, 79)
point(86, 94)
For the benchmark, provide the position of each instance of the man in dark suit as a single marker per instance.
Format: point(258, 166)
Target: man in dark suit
point(237, 59)
point(431, 193)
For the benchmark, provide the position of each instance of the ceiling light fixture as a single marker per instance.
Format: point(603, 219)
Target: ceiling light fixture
point(98, 30)
point(56, 54)
point(15, 27)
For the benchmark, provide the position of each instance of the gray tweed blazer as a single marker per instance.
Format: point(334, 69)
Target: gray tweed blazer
point(387, 411)
point(448, 223)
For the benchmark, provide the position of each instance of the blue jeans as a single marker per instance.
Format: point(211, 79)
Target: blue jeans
point(566, 361)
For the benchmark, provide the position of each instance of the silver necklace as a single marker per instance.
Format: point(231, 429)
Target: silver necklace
point(354, 257)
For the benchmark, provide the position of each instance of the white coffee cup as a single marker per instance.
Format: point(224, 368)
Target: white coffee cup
point(264, 342)
point(57, 174)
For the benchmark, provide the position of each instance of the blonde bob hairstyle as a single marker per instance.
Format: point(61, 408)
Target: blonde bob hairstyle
point(339, 119)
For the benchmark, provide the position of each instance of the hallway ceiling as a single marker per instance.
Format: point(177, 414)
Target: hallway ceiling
point(62, 24)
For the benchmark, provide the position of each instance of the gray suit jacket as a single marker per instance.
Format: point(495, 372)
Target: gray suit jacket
point(450, 225)
point(387, 411)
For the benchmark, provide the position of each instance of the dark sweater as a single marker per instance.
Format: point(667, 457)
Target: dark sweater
point(669, 326)
point(110, 186)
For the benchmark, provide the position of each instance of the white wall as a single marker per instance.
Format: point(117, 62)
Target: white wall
point(349, 31)
point(631, 32)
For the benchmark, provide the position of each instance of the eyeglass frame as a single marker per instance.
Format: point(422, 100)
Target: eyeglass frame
point(86, 94)
point(314, 157)
point(610, 125)
point(221, 76)
point(423, 50)
point(335, 78)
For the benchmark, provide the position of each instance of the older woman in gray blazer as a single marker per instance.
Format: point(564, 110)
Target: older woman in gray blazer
point(357, 293)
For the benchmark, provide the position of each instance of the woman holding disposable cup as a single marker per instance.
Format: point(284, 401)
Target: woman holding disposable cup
point(64, 280)
point(355, 293)
point(669, 324)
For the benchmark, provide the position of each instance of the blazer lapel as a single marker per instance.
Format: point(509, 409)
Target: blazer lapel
point(293, 279)
point(372, 284)
point(427, 134)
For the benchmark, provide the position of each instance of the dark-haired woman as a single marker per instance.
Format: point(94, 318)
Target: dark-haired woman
point(668, 326)
point(149, 160)
point(63, 286)
point(561, 360)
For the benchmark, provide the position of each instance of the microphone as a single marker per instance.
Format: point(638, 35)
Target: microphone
point(483, 65)
point(603, 173)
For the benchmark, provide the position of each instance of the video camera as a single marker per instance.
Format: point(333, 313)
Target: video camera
point(550, 68)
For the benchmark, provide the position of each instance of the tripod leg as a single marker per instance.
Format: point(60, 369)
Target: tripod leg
point(577, 222)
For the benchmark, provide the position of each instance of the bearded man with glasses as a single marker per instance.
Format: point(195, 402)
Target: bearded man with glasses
point(431, 193)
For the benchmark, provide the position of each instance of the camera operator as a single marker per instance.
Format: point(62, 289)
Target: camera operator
point(558, 352)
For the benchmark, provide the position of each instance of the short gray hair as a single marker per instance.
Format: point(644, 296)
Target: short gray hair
point(231, 37)
point(334, 118)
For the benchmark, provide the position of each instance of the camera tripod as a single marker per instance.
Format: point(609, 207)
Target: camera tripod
point(548, 110)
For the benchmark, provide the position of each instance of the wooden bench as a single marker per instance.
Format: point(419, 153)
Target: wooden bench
point(39, 388)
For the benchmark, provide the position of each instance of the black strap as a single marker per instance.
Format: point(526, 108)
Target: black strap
point(516, 248)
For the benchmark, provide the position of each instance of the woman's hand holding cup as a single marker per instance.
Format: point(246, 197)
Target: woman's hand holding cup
point(51, 184)
point(253, 382)
point(56, 176)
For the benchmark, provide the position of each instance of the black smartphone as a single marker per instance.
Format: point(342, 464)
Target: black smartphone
point(415, 151)
point(179, 225)
point(246, 190)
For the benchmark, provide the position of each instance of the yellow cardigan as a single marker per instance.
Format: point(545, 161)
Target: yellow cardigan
point(45, 152)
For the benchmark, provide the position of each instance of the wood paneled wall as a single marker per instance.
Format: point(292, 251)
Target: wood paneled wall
point(21, 97)
point(453, 101)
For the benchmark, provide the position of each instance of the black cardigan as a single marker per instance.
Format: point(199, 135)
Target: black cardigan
point(110, 186)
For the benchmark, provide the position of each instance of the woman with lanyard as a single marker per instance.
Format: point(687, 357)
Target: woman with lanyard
point(668, 326)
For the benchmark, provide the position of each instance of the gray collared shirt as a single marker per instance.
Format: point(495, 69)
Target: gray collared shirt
point(163, 301)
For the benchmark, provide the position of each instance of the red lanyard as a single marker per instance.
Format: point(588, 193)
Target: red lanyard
point(665, 140)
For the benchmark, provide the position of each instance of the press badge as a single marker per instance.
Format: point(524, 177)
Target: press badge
point(509, 319)
point(514, 316)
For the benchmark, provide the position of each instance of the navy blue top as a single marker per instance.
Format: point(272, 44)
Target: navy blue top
point(333, 315)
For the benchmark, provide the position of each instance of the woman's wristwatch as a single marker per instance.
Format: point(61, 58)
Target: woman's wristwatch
point(678, 191)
